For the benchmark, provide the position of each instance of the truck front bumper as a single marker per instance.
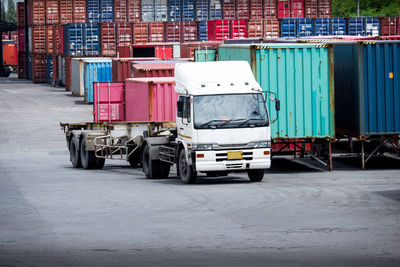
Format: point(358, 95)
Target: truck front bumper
point(217, 160)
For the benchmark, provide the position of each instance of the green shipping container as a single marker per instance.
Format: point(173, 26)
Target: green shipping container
point(204, 55)
point(301, 75)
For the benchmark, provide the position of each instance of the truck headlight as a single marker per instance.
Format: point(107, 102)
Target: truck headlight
point(261, 144)
point(203, 147)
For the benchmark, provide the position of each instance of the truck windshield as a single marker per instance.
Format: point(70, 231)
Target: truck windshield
point(230, 111)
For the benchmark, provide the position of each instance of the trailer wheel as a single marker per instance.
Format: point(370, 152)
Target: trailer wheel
point(188, 175)
point(87, 157)
point(255, 175)
point(74, 155)
point(99, 163)
point(151, 168)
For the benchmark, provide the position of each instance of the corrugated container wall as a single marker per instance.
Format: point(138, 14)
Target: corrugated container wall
point(150, 99)
point(367, 88)
point(156, 32)
point(107, 10)
point(201, 10)
point(188, 11)
point(109, 102)
point(174, 10)
point(29, 67)
point(38, 39)
point(330, 26)
point(22, 57)
point(134, 14)
point(160, 10)
point(36, 12)
point(73, 43)
point(204, 55)
point(242, 9)
point(390, 26)
point(301, 76)
point(108, 39)
point(270, 9)
point(67, 11)
point(91, 39)
point(49, 69)
point(49, 39)
point(21, 40)
point(147, 8)
point(21, 14)
point(79, 9)
point(364, 26)
point(256, 9)
point(98, 71)
point(228, 9)
point(215, 9)
point(153, 70)
point(39, 68)
point(121, 10)
point(140, 33)
point(124, 34)
point(52, 12)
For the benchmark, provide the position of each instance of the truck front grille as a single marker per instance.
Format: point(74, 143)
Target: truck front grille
point(247, 155)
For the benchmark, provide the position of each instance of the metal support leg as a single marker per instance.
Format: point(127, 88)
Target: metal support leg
point(330, 156)
point(362, 155)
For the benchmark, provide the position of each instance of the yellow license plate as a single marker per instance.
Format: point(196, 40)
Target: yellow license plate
point(235, 154)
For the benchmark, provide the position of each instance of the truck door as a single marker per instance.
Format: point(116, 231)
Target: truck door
point(184, 120)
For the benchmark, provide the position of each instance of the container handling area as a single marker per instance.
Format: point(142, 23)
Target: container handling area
point(199, 133)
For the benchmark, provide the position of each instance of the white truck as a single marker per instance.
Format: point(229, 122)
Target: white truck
point(222, 126)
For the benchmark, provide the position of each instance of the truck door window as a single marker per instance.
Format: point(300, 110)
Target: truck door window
point(186, 109)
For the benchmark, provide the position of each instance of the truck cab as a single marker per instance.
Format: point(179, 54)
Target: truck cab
point(222, 121)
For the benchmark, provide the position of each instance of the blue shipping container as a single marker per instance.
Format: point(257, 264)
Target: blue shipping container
point(288, 27)
point(304, 27)
point(364, 26)
point(330, 26)
point(202, 31)
point(107, 10)
point(147, 8)
point(96, 71)
point(174, 10)
point(93, 10)
point(92, 39)
point(201, 11)
point(49, 69)
point(73, 39)
point(188, 10)
point(338, 26)
point(367, 88)
point(215, 9)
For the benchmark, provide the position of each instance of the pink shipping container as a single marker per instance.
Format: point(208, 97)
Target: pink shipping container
point(153, 70)
point(109, 102)
point(150, 99)
point(21, 40)
point(290, 9)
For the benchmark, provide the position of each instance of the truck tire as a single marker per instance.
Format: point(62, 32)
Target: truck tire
point(99, 163)
point(151, 168)
point(255, 175)
point(74, 155)
point(187, 174)
point(87, 157)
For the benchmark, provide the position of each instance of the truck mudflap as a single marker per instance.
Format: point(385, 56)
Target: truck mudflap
point(232, 160)
point(154, 144)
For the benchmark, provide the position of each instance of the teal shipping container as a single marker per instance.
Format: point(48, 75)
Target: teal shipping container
point(367, 88)
point(301, 76)
point(204, 55)
point(97, 70)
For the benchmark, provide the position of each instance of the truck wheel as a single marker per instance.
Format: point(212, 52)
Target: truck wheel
point(255, 175)
point(87, 157)
point(99, 163)
point(151, 168)
point(187, 174)
point(74, 155)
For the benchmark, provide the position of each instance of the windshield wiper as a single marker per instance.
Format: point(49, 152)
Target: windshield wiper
point(209, 122)
point(247, 121)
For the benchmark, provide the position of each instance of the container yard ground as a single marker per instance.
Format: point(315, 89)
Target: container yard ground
point(54, 215)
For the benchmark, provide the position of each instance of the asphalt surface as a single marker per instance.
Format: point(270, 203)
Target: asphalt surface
point(54, 215)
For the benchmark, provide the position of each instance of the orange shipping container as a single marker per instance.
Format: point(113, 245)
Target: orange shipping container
point(38, 39)
point(156, 32)
point(52, 12)
point(79, 8)
point(134, 11)
point(108, 39)
point(124, 34)
point(38, 68)
point(50, 39)
point(140, 33)
point(120, 11)
point(10, 54)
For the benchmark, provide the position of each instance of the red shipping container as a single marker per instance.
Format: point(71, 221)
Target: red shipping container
point(66, 11)
point(79, 10)
point(21, 14)
point(22, 65)
point(39, 68)
point(311, 8)
point(50, 39)
point(134, 14)
point(229, 9)
point(284, 8)
point(52, 12)
point(58, 40)
point(39, 39)
point(297, 9)
point(10, 54)
point(324, 9)
point(173, 31)
point(238, 29)
point(21, 40)
point(218, 29)
point(256, 9)
point(109, 102)
point(140, 33)
point(108, 39)
point(390, 26)
point(122, 67)
point(189, 31)
point(270, 9)
point(36, 12)
point(153, 70)
point(150, 99)
point(242, 9)
point(162, 51)
point(124, 34)
point(255, 28)
point(120, 10)
point(124, 51)
point(156, 32)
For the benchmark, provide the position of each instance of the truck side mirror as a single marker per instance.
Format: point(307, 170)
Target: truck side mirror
point(277, 104)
